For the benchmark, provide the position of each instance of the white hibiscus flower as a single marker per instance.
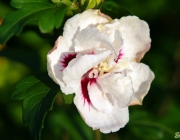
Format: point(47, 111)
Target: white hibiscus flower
point(98, 59)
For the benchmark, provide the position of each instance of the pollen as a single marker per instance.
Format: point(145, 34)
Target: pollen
point(99, 27)
point(103, 67)
point(100, 69)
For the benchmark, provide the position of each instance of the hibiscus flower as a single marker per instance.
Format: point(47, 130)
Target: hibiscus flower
point(98, 59)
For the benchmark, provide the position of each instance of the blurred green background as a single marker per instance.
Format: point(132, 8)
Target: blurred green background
point(157, 119)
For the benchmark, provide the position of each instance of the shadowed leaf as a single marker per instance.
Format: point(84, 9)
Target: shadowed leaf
point(38, 95)
point(48, 15)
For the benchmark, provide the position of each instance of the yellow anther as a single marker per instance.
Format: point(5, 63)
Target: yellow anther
point(103, 67)
point(99, 27)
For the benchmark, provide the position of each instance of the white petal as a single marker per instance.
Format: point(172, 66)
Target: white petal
point(106, 122)
point(73, 73)
point(135, 35)
point(81, 21)
point(114, 36)
point(119, 87)
point(53, 62)
point(120, 66)
point(99, 99)
point(60, 46)
point(142, 77)
point(90, 37)
point(117, 42)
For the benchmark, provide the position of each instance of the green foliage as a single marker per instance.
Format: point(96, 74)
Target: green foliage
point(38, 94)
point(68, 99)
point(48, 15)
point(85, 4)
point(45, 13)
point(114, 10)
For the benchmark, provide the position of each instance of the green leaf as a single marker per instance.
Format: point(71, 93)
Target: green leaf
point(38, 93)
point(85, 5)
point(47, 15)
point(55, 16)
point(114, 10)
point(68, 98)
point(22, 3)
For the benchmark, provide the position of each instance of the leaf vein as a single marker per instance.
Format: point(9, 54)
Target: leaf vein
point(26, 15)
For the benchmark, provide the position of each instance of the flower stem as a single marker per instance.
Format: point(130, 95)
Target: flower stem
point(97, 135)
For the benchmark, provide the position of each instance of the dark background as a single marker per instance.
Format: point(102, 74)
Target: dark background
point(157, 119)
